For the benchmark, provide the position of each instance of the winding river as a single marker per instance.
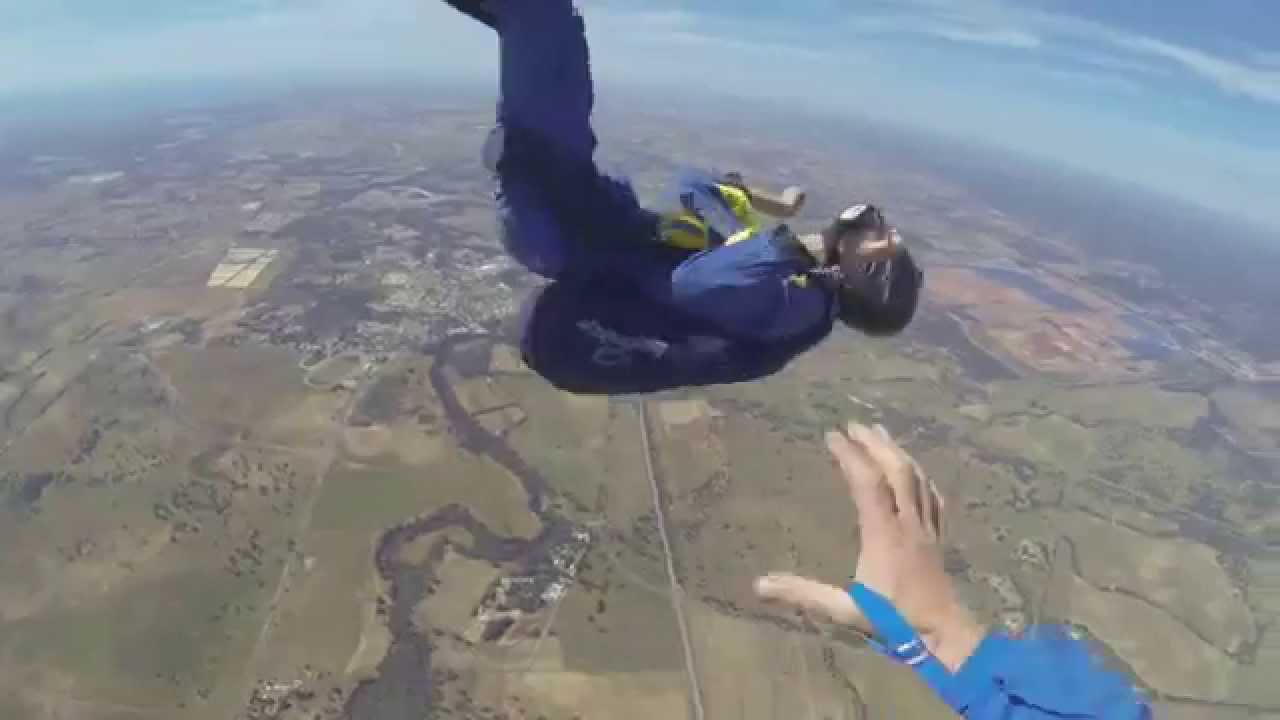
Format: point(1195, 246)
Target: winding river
point(405, 687)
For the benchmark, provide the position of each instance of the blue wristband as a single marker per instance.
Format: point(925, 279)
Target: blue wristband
point(901, 642)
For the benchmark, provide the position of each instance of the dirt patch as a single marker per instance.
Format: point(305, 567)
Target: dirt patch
point(369, 442)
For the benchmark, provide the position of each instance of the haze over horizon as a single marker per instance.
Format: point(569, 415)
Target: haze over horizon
point(1179, 97)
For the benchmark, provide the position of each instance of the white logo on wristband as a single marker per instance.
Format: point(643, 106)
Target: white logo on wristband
point(912, 653)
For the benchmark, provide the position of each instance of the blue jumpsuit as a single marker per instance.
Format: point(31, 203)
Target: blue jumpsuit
point(564, 219)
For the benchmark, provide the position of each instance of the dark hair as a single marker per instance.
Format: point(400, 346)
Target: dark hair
point(880, 301)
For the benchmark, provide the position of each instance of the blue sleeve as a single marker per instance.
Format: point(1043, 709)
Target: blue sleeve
point(746, 289)
point(1043, 676)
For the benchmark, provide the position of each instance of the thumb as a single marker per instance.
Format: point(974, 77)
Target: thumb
point(795, 197)
point(812, 597)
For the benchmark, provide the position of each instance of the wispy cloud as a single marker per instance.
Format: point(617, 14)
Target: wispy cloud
point(707, 42)
point(1094, 81)
point(994, 37)
point(957, 29)
point(1233, 77)
point(1113, 64)
point(999, 23)
point(642, 20)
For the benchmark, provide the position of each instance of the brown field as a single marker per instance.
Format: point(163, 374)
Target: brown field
point(962, 287)
point(1084, 343)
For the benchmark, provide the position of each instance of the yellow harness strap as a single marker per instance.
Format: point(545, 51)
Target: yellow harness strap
point(687, 231)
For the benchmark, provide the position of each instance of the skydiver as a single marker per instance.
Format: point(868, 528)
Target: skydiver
point(719, 297)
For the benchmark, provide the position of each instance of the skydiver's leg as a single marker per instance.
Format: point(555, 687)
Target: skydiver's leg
point(556, 207)
point(544, 135)
point(547, 91)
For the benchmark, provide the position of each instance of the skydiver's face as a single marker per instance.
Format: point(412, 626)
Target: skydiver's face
point(879, 297)
point(867, 245)
point(866, 262)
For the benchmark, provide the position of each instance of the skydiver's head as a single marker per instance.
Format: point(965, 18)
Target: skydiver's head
point(879, 282)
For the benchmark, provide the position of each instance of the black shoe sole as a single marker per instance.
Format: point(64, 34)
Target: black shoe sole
point(467, 7)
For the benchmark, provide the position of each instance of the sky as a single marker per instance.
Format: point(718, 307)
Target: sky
point(1182, 96)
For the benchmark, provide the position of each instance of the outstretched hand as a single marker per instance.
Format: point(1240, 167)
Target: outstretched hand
point(900, 525)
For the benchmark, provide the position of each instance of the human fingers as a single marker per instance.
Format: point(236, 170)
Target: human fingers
point(940, 503)
point(881, 246)
point(930, 501)
point(896, 468)
point(796, 197)
point(810, 596)
point(874, 248)
point(872, 498)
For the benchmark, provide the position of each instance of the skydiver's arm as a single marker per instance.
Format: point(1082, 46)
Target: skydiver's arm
point(784, 205)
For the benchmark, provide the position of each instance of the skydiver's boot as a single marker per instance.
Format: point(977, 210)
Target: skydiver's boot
point(476, 9)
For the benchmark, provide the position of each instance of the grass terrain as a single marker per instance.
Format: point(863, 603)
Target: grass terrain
point(139, 580)
point(463, 583)
point(1045, 441)
point(1254, 416)
point(366, 499)
point(754, 670)
point(1159, 467)
point(775, 504)
point(1193, 711)
point(883, 689)
point(335, 370)
point(234, 387)
point(546, 690)
point(1167, 656)
point(590, 450)
point(319, 618)
point(1120, 507)
point(1183, 577)
point(617, 620)
point(1143, 403)
point(144, 612)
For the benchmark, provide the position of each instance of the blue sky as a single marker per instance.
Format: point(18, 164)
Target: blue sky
point(1179, 95)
